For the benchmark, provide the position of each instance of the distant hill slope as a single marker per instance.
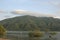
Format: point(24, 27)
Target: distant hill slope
point(30, 23)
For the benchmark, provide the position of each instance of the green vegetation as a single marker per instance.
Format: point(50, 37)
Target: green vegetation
point(2, 31)
point(36, 34)
point(31, 23)
point(53, 33)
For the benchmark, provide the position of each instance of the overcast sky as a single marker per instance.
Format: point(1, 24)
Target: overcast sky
point(49, 7)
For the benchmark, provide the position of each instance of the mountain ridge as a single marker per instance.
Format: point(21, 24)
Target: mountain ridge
point(31, 23)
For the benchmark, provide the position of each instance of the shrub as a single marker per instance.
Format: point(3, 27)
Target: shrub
point(53, 33)
point(2, 31)
point(36, 34)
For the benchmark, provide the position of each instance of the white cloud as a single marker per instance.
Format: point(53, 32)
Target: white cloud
point(2, 11)
point(25, 12)
point(57, 17)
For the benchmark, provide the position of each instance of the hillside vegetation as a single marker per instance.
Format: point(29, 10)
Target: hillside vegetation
point(30, 23)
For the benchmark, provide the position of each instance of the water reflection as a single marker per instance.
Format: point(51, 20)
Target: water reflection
point(24, 36)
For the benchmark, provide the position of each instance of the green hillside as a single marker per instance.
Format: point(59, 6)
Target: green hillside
point(30, 23)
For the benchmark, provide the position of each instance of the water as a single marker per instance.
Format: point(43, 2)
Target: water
point(23, 35)
point(58, 35)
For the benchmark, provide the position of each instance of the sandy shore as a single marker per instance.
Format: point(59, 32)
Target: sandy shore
point(3, 39)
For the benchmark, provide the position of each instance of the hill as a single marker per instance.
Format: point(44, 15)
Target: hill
point(30, 23)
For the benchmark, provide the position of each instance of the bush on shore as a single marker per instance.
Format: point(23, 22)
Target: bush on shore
point(36, 34)
point(2, 31)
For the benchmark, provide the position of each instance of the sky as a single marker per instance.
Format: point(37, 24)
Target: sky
point(12, 8)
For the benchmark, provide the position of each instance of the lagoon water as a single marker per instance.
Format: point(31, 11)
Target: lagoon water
point(25, 34)
point(58, 35)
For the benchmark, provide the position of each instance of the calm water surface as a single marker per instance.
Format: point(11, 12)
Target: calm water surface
point(25, 34)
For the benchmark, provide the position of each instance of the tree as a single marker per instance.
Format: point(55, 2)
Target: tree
point(2, 31)
point(36, 34)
